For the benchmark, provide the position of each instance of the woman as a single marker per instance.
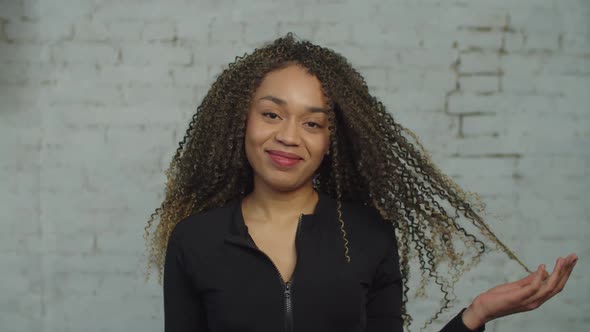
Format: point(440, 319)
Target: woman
point(295, 203)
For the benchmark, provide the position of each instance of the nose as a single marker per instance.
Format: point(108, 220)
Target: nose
point(288, 132)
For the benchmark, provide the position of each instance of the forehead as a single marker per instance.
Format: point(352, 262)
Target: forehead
point(294, 85)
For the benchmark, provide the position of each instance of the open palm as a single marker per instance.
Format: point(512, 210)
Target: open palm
point(522, 295)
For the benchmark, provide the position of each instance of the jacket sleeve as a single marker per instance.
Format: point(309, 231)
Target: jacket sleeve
point(384, 298)
point(183, 309)
point(456, 324)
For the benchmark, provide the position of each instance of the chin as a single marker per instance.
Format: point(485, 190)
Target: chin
point(282, 182)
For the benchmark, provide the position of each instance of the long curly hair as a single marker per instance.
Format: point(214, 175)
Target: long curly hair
point(370, 161)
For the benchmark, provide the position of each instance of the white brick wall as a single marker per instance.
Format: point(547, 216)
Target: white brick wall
point(95, 96)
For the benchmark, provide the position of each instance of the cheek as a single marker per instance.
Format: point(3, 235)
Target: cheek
point(318, 147)
point(324, 145)
point(255, 138)
point(256, 133)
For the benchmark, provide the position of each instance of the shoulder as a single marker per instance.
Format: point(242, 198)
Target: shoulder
point(202, 225)
point(367, 222)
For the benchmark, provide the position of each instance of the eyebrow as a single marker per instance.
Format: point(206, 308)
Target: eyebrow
point(281, 102)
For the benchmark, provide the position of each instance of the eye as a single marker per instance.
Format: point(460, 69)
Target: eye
point(316, 125)
point(270, 113)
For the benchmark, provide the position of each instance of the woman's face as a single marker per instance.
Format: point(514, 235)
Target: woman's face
point(288, 114)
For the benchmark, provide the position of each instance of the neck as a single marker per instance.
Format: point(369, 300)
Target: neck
point(266, 205)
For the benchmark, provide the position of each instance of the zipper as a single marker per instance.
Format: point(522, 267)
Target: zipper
point(287, 286)
point(288, 307)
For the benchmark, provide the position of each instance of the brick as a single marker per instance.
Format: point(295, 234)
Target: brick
point(529, 42)
point(477, 182)
point(576, 43)
point(22, 310)
point(82, 263)
point(159, 31)
point(84, 53)
point(25, 53)
point(480, 145)
point(522, 64)
point(382, 35)
point(465, 17)
point(35, 31)
point(220, 54)
point(559, 166)
point(512, 144)
point(303, 30)
point(566, 65)
point(432, 80)
point(512, 104)
point(374, 75)
point(125, 74)
point(22, 275)
point(144, 54)
point(479, 84)
point(562, 85)
point(14, 99)
point(12, 9)
point(191, 76)
point(16, 74)
point(156, 95)
point(488, 167)
point(137, 10)
point(432, 123)
point(188, 30)
point(410, 100)
point(479, 63)
point(534, 19)
point(37, 10)
point(225, 31)
point(435, 80)
point(333, 33)
point(351, 11)
point(466, 40)
point(256, 33)
point(77, 93)
point(103, 31)
point(279, 12)
point(526, 124)
point(427, 59)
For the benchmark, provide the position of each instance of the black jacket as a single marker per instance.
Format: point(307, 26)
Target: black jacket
point(216, 279)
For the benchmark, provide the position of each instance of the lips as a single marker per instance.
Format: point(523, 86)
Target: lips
point(283, 163)
point(284, 154)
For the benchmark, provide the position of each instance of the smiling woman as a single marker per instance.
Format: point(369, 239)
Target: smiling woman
point(295, 203)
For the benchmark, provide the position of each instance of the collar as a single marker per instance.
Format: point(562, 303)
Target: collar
point(238, 232)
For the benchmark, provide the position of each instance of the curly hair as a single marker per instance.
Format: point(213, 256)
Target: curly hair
point(370, 162)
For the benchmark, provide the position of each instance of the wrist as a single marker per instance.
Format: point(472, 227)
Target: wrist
point(473, 318)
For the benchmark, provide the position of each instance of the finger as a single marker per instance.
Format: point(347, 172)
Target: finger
point(545, 291)
point(513, 285)
point(522, 295)
point(526, 281)
point(553, 284)
point(566, 268)
point(519, 283)
point(565, 278)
